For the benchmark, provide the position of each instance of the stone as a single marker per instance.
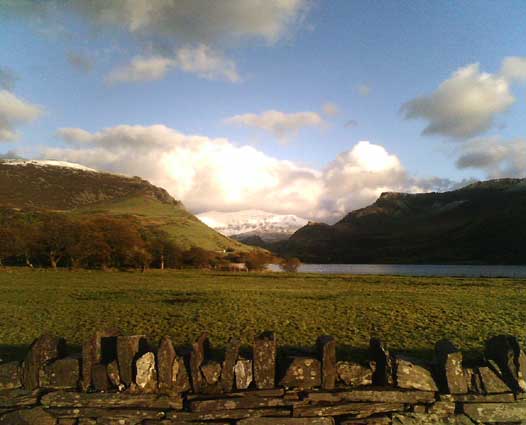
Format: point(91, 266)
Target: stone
point(505, 352)
point(110, 400)
point(354, 374)
point(67, 421)
point(61, 374)
point(235, 403)
point(480, 398)
point(358, 410)
point(326, 348)
point(227, 371)
point(412, 374)
point(451, 377)
point(10, 376)
point(381, 363)
point(129, 349)
point(211, 372)
point(496, 412)
point(87, 421)
point(376, 394)
point(97, 412)
point(286, 421)
point(231, 414)
point(34, 416)
point(243, 374)
point(302, 373)
point(99, 378)
point(429, 419)
point(146, 378)
point(197, 358)
point(491, 382)
point(100, 348)
point(381, 420)
point(265, 348)
point(45, 348)
point(18, 398)
point(165, 364)
point(181, 381)
point(112, 369)
point(444, 408)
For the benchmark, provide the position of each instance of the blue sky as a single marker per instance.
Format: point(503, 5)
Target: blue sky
point(112, 70)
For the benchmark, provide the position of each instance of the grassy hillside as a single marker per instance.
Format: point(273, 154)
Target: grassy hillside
point(408, 313)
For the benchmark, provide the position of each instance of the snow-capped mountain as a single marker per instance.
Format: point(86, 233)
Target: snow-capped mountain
point(47, 163)
point(268, 226)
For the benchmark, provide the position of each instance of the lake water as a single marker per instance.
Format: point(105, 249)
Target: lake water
point(413, 270)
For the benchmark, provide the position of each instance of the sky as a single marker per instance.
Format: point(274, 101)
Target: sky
point(306, 107)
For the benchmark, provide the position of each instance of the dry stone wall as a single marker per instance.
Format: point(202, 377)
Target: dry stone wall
point(123, 380)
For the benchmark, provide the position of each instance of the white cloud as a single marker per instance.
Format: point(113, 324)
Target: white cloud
point(514, 68)
point(330, 109)
point(281, 124)
point(495, 157)
point(200, 60)
point(215, 174)
point(14, 111)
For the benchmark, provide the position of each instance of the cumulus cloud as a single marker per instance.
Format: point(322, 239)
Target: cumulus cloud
point(14, 111)
point(200, 60)
point(280, 124)
point(495, 157)
point(80, 61)
point(514, 68)
point(216, 174)
point(464, 105)
point(7, 78)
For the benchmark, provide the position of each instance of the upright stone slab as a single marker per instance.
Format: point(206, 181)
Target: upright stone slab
point(451, 377)
point(180, 379)
point(165, 360)
point(100, 380)
point(303, 372)
point(265, 348)
point(491, 382)
point(100, 348)
point(43, 349)
point(354, 374)
point(114, 375)
point(227, 371)
point(211, 372)
point(10, 376)
point(146, 379)
point(326, 347)
point(61, 374)
point(507, 354)
point(413, 374)
point(381, 363)
point(129, 349)
point(243, 374)
point(197, 357)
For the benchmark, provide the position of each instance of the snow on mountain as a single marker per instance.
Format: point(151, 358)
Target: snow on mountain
point(253, 222)
point(46, 163)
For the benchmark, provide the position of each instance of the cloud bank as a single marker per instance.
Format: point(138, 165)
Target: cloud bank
point(13, 112)
point(216, 174)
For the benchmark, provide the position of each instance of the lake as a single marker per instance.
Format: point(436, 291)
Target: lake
point(413, 270)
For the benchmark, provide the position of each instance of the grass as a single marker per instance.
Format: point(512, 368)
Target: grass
point(409, 313)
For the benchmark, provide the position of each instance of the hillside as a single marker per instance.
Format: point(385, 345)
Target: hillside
point(77, 190)
point(480, 223)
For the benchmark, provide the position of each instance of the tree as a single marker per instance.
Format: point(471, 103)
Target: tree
point(7, 244)
point(290, 265)
point(57, 234)
point(198, 257)
point(258, 260)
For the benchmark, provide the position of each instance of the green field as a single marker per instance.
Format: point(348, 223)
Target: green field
point(408, 313)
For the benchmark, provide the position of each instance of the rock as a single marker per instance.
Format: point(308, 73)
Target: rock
point(381, 363)
point(377, 395)
point(496, 412)
point(326, 348)
point(287, 421)
point(10, 375)
point(101, 348)
point(112, 369)
point(181, 381)
point(381, 420)
point(197, 357)
point(265, 347)
point(61, 374)
point(99, 378)
point(129, 349)
point(243, 374)
point(444, 408)
point(146, 378)
point(227, 371)
point(43, 349)
point(358, 410)
point(97, 412)
point(479, 398)
point(505, 352)
point(412, 374)
point(235, 403)
point(18, 398)
point(429, 419)
point(491, 382)
point(165, 362)
point(451, 377)
point(302, 373)
point(110, 400)
point(354, 374)
point(211, 372)
point(34, 416)
point(231, 414)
